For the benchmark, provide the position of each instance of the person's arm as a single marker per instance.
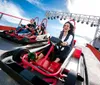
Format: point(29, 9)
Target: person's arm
point(45, 31)
point(40, 33)
point(27, 26)
point(68, 41)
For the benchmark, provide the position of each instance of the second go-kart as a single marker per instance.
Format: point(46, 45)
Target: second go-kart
point(21, 65)
point(25, 38)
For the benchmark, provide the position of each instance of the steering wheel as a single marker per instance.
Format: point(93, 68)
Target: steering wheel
point(55, 41)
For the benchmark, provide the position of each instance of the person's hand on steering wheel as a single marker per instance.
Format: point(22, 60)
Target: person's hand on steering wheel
point(64, 43)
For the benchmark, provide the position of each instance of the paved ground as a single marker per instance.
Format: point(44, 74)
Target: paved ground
point(93, 65)
point(4, 78)
point(5, 45)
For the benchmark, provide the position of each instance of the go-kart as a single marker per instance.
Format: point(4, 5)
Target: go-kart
point(24, 38)
point(21, 65)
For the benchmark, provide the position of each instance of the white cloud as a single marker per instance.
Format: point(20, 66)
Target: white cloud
point(38, 4)
point(90, 7)
point(42, 6)
point(12, 9)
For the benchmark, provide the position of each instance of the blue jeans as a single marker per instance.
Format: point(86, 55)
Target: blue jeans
point(22, 30)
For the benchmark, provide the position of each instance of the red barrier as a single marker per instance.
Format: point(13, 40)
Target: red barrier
point(7, 28)
point(95, 51)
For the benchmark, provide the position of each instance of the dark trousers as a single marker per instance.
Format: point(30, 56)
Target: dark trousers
point(58, 53)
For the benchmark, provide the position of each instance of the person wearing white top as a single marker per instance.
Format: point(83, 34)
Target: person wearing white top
point(67, 36)
point(68, 40)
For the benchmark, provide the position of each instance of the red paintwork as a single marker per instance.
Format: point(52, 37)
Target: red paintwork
point(39, 70)
point(41, 63)
point(7, 28)
point(77, 53)
point(95, 51)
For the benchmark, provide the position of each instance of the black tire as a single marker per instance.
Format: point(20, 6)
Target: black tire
point(6, 54)
point(26, 40)
point(14, 38)
point(71, 79)
point(18, 54)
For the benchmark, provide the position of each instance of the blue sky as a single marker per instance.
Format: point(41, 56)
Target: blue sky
point(31, 8)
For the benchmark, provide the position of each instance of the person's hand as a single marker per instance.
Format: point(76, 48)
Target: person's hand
point(26, 26)
point(64, 43)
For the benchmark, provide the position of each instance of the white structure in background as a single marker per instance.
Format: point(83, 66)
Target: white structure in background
point(88, 7)
point(86, 31)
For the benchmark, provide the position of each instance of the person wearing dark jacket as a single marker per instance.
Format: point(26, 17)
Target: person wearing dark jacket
point(26, 28)
point(66, 36)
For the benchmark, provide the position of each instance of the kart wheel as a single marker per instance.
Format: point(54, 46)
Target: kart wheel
point(25, 40)
point(18, 54)
point(14, 38)
point(7, 60)
point(8, 36)
point(7, 57)
point(71, 79)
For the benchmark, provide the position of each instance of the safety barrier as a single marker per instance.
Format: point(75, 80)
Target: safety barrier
point(6, 28)
point(95, 51)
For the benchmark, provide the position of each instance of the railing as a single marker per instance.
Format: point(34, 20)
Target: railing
point(12, 16)
point(7, 25)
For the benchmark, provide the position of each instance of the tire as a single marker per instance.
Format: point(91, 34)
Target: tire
point(18, 54)
point(71, 79)
point(26, 40)
point(6, 54)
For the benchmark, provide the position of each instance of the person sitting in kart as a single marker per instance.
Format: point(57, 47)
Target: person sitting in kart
point(41, 29)
point(66, 36)
point(26, 28)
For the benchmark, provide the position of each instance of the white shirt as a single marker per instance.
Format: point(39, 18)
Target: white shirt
point(68, 40)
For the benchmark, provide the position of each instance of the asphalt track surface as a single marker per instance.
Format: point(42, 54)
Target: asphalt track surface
point(6, 46)
point(93, 64)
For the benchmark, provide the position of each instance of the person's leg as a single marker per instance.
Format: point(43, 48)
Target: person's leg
point(39, 57)
point(57, 54)
point(57, 60)
point(43, 53)
point(63, 54)
point(33, 36)
point(18, 29)
point(24, 31)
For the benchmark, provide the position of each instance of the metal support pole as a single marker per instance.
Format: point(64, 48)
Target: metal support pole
point(1, 16)
point(96, 33)
point(97, 29)
point(20, 22)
